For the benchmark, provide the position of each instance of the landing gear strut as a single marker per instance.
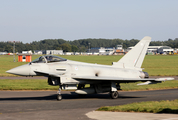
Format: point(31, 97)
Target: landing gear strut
point(59, 96)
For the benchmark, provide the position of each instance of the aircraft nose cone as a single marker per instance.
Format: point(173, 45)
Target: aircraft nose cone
point(23, 70)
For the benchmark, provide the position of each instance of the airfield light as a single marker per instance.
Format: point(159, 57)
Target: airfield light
point(14, 51)
point(89, 47)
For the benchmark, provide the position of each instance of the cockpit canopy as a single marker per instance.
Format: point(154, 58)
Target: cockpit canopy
point(48, 59)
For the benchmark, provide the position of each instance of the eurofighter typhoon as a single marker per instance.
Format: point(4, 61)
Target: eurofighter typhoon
point(101, 78)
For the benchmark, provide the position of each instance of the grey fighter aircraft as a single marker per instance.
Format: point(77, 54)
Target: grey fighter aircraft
point(101, 78)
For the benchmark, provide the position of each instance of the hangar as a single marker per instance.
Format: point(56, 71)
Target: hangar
point(158, 50)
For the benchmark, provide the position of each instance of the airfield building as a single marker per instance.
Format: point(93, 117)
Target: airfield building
point(54, 52)
point(48, 52)
point(101, 51)
point(158, 50)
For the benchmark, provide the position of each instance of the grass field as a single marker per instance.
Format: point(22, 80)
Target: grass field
point(150, 107)
point(26, 84)
point(155, 65)
point(161, 65)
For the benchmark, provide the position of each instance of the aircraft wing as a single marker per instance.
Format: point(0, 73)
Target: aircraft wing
point(116, 79)
point(125, 80)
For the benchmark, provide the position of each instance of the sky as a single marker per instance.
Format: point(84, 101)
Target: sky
point(35, 20)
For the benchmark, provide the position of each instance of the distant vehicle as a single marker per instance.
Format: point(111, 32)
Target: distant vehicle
point(101, 78)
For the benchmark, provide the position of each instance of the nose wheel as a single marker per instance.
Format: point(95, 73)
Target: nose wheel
point(59, 96)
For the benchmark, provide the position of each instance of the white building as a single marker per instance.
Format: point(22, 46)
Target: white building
point(102, 51)
point(119, 47)
point(157, 49)
point(54, 52)
point(69, 53)
point(38, 52)
point(3, 53)
point(165, 50)
point(27, 52)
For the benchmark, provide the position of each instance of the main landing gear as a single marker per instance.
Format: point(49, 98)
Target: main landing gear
point(114, 94)
point(113, 91)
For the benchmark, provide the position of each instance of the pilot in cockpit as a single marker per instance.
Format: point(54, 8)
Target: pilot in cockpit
point(48, 59)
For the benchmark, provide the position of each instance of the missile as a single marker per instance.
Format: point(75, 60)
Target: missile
point(85, 91)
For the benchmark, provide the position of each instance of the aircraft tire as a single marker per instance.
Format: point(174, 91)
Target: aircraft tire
point(59, 97)
point(114, 94)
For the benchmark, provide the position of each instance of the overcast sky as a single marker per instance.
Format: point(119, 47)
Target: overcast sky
point(34, 20)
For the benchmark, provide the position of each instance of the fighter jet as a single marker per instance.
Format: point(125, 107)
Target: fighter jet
point(100, 78)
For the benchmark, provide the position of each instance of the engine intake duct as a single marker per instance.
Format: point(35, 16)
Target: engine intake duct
point(53, 81)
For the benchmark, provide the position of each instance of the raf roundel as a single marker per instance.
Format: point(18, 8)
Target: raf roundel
point(76, 68)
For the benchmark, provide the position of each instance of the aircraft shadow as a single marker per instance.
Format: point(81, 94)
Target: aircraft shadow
point(51, 97)
point(91, 96)
point(66, 96)
point(168, 110)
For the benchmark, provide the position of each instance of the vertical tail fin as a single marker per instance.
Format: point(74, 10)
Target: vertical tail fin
point(134, 58)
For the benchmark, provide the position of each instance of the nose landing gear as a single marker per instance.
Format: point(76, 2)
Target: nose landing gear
point(59, 96)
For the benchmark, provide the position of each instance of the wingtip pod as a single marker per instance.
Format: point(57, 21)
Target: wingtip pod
point(164, 79)
point(155, 81)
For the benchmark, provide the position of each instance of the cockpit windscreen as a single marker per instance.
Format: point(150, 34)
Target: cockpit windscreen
point(48, 59)
point(51, 58)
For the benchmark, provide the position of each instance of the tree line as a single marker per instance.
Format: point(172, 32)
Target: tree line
point(77, 45)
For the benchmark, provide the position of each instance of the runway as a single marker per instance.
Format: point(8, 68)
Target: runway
point(15, 105)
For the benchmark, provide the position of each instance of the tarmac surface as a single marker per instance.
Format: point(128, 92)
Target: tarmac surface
point(42, 105)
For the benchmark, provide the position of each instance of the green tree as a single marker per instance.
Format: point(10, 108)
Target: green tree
point(74, 48)
point(66, 47)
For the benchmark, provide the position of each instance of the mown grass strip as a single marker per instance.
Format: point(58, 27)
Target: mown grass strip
point(26, 84)
point(149, 107)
